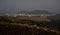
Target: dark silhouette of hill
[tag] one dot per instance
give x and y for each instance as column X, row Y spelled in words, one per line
column 36, row 12
column 40, row 12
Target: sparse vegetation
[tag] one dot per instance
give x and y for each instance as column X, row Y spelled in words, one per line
column 13, row 26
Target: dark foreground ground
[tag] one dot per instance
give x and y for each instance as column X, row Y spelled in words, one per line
column 13, row 26
column 6, row 29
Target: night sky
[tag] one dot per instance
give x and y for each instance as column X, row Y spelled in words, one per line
column 18, row 5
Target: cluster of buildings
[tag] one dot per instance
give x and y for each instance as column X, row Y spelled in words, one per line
column 27, row 14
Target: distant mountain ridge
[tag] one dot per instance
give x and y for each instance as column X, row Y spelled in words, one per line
column 41, row 12
column 37, row 12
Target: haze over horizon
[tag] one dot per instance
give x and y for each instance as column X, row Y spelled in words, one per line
column 18, row 5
